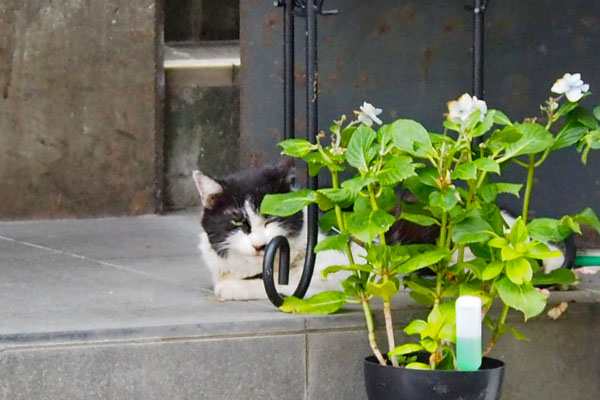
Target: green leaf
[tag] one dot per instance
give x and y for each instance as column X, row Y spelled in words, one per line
column 586, row 119
column 356, row 184
column 329, row 197
column 417, row 365
column 395, row 170
column 411, row 137
column 472, row 229
column 429, row 344
column 492, row 270
column 335, row 242
column 367, row 225
column 566, row 108
column 418, row 219
column 485, row 125
column 315, row 162
column 597, row 112
column 588, row 216
column 489, row 192
column 518, row 335
column 384, row 290
column 535, row 139
column 328, row 221
column 444, row 200
column 509, row 134
column 519, row 271
column 352, row 267
column 465, row 171
column 322, row 303
column 421, row 298
column 477, row 265
column 540, row 251
column 524, row 298
column 408, row 348
column 361, row 150
column 487, row 164
column 286, row 204
column 518, row 233
column 296, row 147
column 387, row 200
column 417, row 285
column 568, row 137
column 421, row 261
column 501, row 119
column 415, row 327
column 353, row 286
column 560, row 276
column 347, row 134
column 547, row 230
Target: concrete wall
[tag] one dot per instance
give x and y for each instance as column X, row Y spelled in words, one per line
column 78, row 108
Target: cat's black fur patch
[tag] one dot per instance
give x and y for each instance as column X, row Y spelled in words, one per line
column 252, row 186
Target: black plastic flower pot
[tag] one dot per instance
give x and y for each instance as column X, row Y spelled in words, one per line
column 398, row 383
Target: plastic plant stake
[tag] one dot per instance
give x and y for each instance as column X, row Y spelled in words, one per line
column 468, row 333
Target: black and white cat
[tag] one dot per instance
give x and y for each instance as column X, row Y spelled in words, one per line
column 235, row 234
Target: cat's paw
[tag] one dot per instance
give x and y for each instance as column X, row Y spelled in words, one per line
column 252, row 289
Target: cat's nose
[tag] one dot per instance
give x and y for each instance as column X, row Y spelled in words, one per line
column 259, row 247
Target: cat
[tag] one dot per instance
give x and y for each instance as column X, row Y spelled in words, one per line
column 234, row 234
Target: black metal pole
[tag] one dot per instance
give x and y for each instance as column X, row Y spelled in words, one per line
column 311, row 135
column 280, row 244
column 288, row 70
column 479, row 7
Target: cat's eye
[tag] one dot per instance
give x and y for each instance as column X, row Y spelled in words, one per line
column 237, row 223
column 269, row 220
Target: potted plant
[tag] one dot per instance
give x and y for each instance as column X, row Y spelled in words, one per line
column 454, row 178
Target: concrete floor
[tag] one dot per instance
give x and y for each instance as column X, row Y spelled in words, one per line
column 113, row 277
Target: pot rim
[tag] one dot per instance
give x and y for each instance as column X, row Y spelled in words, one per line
column 488, row 363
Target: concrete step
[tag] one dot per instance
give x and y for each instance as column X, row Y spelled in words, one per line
column 120, row 308
column 208, row 65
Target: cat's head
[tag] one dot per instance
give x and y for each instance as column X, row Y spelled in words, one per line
column 231, row 216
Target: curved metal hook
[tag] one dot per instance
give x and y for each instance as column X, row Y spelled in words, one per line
column 281, row 244
column 570, row 252
column 277, row 243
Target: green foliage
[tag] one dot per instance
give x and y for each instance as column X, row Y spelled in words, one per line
column 455, row 184
column 322, row 303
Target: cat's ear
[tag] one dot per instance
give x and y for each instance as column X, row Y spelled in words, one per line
column 287, row 170
column 207, row 188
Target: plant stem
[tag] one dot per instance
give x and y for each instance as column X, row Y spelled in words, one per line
column 371, row 331
column 375, row 207
column 339, row 216
column 497, row 332
column 389, row 327
column 387, row 309
column 529, row 187
column 443, row 230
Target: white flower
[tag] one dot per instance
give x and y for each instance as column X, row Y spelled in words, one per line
column 368, row 114
column 460, row 110
column 571, row 85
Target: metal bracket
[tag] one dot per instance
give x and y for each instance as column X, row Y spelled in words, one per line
column 300, row 7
